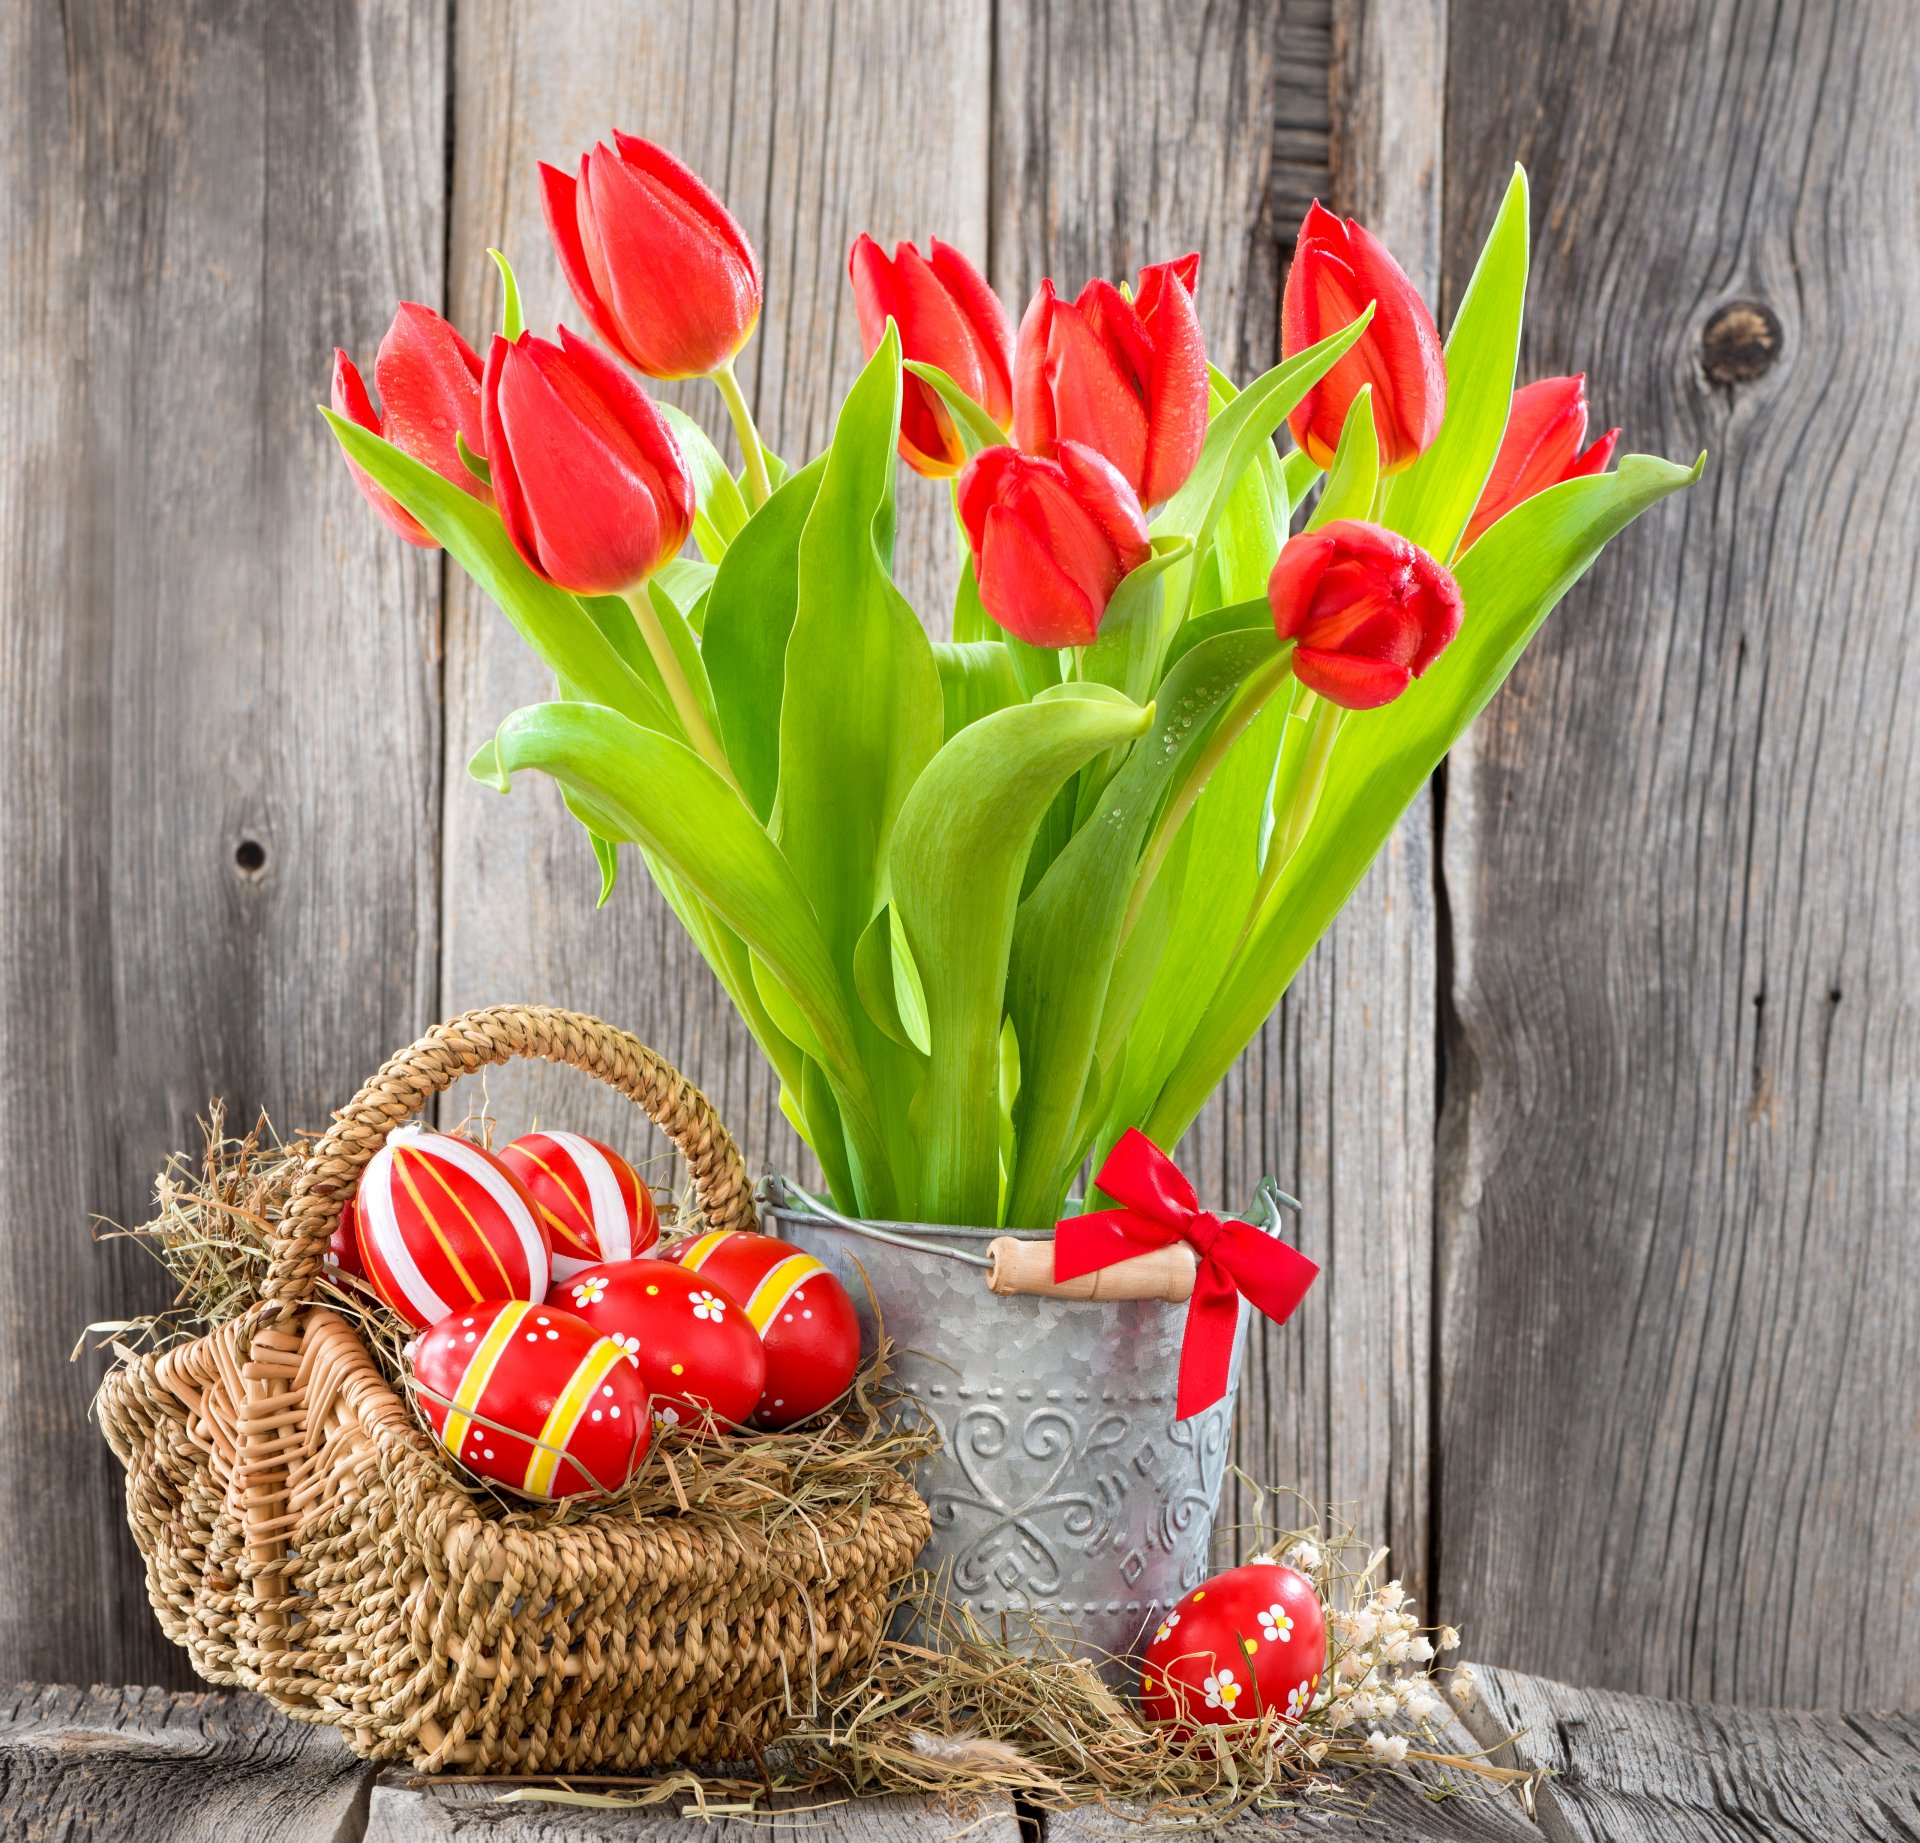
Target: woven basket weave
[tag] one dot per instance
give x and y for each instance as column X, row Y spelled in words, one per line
column 306, row 1538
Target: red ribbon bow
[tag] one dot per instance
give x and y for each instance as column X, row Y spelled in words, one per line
column 1237, row 1261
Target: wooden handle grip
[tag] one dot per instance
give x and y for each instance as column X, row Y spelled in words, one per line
column 1027, row 1267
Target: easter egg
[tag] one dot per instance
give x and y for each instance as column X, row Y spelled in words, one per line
column 697, row 1352
column 532, row 1397
column 443, row 1223
column 1249, row 1642
column 343, row 1249
column 803, row 1315
column 591, row 1201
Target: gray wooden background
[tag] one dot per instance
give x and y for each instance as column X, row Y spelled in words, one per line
column 1602, row 1091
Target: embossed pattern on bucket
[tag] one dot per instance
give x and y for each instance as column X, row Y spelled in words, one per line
column 1065, row 1489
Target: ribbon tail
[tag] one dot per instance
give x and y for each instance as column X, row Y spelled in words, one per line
column 1273, row 1275
column 1206, row 1349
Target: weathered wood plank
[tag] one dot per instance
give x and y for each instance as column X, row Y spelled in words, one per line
column 1629, row 1769
column 1682, row 1070
column 142, row 1766
column 448, row 1811
column 217, row 852
column 816, row 121
column 1126, row 135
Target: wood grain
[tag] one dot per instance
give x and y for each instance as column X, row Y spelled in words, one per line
column 142, row 1766
column 217, row 849
column 1630, row 1769
column 1106, row 157
column 784, row 110
column 1682, row 1070
column 448, row 1811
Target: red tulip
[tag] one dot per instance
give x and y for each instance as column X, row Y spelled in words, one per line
column 1338, row 268
column 429, row 380
column 1126, row 377
column 589, row 479
column 656, row 262
column 1368, row 611
column 1545, row 427
column 1051, row 540
column 947, row 316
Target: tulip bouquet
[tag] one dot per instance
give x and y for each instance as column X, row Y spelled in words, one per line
column 988, row 902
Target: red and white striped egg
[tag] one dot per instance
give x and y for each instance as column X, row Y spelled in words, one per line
column 591, row 1201
column 803, row 1315
column 533, row 1397
column 697, row 1352
column 444, row 1224
column 1249, row 1642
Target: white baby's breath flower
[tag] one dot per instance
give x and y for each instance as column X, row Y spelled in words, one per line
column 1462, row 1686
column 1304, row 1556
column 1420, row 1650
column 1449, row 1639
column 1353, row 1667
column 1389, row 1749
column 1424, row 1707
column 1397, row 1648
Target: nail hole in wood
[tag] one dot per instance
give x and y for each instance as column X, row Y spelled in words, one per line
column 251, row 856
column 1741, row 343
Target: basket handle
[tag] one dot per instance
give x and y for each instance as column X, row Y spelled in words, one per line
column 477, row 1040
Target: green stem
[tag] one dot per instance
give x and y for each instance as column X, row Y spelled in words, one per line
column 1231, row 727
column 759, row 489
column 686, row 706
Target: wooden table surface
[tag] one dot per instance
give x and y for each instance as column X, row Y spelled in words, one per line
column 146, row 1766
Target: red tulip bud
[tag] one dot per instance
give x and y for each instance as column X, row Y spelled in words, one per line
column 429, row 379
column 590, row 482
column 947, row 316
column 1368, row 611
column 1126, row 377
column 656, row 262
column 1338, row 268
column 1545, row 427
column 1051, row 540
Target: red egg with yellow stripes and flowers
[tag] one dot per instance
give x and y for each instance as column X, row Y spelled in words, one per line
column 533, row 1397
column 700, row 1358
column 444, row 1224
column 591, row 1201
column 803, row 1315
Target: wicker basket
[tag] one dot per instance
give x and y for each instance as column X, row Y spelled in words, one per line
column 306, row 1538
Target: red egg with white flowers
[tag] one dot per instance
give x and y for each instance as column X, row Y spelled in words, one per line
column 697, row 1352
column 591, row 1200
column 444, row 1224
column 532, row 1397
column 1249, row 1642
column 803, row 1315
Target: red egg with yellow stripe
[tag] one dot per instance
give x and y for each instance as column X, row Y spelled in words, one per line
column 591, row 1201
column 532, row 1397
column 803, row 1315
column 443, row 1224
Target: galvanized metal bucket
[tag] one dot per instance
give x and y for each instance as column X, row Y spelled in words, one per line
column 1065, row 1492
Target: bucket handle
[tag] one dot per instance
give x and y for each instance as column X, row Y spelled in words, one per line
column 1016, row 1267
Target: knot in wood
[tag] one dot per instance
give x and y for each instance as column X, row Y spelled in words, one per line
column 1741, row 343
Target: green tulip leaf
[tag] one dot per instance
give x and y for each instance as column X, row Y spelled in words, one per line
column 1511, row 580
column 1432, row 500
column 959, row 851
column 1133, row 632
column 1355, row 472
column 750, row 610
column 632, row 785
